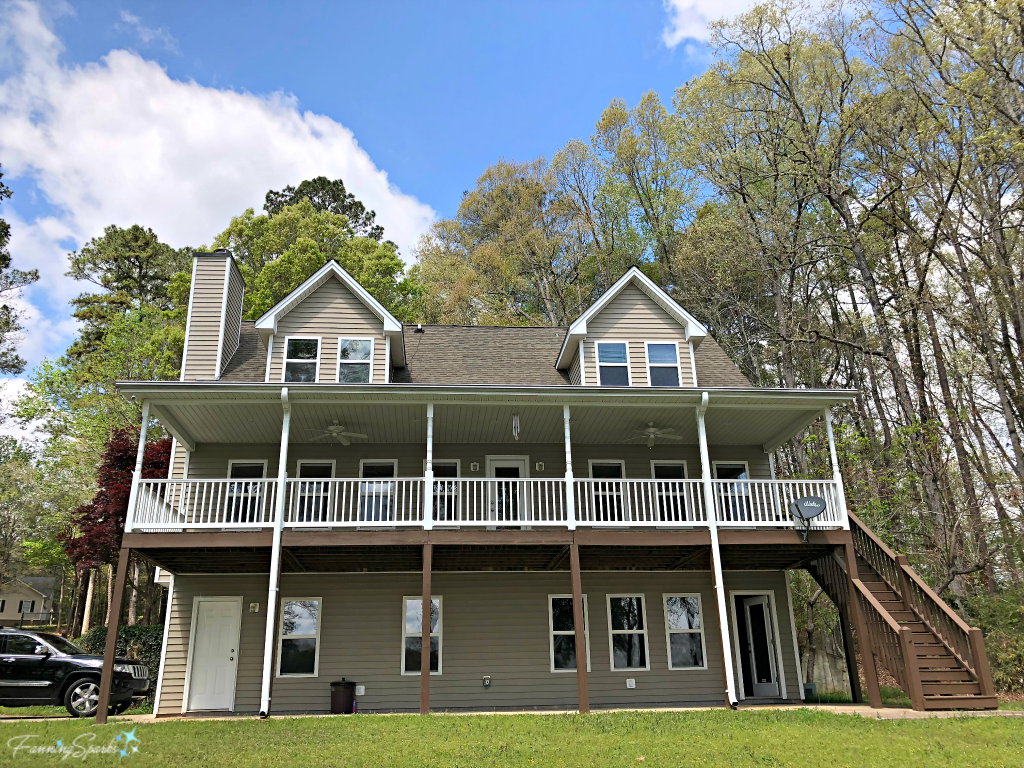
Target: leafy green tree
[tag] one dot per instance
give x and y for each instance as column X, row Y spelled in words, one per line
column 11, row 282
column 277, row 252
column 327, row 196
column 133, row 269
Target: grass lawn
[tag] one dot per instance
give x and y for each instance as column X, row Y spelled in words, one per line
column 712, row 738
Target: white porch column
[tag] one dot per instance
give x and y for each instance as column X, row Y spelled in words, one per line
column 275, row 556
column 137, row 474
column 837, row 476
column 428, row 473
column 716, row 555
column 570, row 497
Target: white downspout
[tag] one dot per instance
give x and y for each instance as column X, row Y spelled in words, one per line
column 275, row 556
column 716, row 555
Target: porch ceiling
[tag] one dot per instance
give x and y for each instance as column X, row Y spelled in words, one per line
column 218, row 413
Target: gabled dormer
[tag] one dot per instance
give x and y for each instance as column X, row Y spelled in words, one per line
column 637, row 335
column 330, row 330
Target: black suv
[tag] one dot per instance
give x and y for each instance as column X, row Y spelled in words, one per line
column 41, row 668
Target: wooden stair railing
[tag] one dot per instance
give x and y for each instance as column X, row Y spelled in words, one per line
column 927, row 630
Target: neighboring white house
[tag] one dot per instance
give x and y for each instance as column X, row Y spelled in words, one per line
column 29, row 598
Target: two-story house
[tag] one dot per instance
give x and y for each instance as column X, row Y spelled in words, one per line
column 589, row 516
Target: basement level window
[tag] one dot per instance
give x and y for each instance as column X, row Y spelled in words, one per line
column 299, row 642
column 412, row 635
column 301, row 359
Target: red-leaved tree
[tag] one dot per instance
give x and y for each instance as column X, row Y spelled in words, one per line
column 99, row 525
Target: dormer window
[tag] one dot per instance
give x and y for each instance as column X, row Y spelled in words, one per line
column 663, row 364
column 613, row 363
column 355, row 361
column 301, row 359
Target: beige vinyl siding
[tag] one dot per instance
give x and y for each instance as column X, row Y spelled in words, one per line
column 634, row 317
column 232, row 314
column 252, row 589
column 494, row 623
column 210, row 460
column 574, row 370
column 330, row 312
column 177, row 469
column 204, row 319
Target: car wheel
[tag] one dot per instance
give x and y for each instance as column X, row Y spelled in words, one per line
column 82, row 697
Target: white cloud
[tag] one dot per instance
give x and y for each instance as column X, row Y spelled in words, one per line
column 118, row 141
column 689, row 19
column 148, row 35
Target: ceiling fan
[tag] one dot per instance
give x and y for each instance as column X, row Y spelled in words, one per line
column 337, row 432
column 652, row 434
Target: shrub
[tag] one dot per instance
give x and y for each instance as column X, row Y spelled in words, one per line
column 140, row 643
column 1001, row 618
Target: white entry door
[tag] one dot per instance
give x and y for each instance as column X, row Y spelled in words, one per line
column 214, row 662
column 761, row 640
column 508, row 496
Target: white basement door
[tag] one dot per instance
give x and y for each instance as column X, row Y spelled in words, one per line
column 214, row 655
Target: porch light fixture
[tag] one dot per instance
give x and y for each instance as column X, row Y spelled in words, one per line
column 515, row 426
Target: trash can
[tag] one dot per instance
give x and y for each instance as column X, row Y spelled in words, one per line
column 343, row 694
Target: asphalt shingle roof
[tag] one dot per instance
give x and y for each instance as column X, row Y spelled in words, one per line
column 478, row 354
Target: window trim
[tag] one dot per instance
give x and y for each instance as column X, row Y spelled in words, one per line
column 592, row 462
column 392, row 462
column 281, row 635
column 232, row 462
column 611, row 632
column 300, row 462
column 338, row 361
column 439, row 634
column 669, row 632
column 714, row 468
column 628, row 365
column 285, row 358
column 551, row 636
column 670, row 462
column 647, row 361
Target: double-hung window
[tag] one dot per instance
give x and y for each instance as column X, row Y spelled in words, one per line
column 301, row 359
column 298, row 652
column 662, row 364
column 27, row 606
column 355, row 361
column 627, row 632
column 685, row 632
column 562, row 623
column 412, row 635
column 613, row 363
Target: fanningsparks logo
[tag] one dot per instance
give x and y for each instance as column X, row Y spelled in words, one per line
column 125, row 744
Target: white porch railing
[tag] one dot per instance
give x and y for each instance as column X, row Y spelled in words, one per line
column 354, row 503
column 629, row 503
column 767, row 503
column 499, row 502
column 174, row 505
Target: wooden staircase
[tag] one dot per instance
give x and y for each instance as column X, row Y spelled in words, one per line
column 937, row 659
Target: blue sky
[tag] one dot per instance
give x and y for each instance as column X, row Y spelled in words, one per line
column 179, row 115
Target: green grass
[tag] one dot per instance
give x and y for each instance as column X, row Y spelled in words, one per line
column 710, row 738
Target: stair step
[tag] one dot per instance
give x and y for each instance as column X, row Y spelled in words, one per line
column 946, row 675
column 951, row 688
column 902, row 615
column 937, row 662
column 961, row 702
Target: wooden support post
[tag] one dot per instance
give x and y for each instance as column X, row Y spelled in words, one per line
column 867, row 657
column 579, row 627
column 107, row 676
column 428, row 556
column 981, row 662
column 913, row 674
